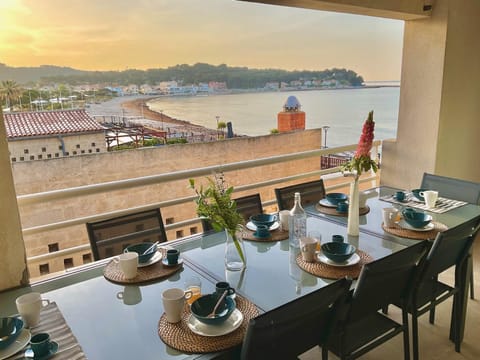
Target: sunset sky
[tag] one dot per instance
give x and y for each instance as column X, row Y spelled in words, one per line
column 142, row 34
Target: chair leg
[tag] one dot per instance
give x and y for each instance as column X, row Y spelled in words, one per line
column 406, row 336
column 324, row 353
column 472, row 293
column 415, row 336
column 431, row 317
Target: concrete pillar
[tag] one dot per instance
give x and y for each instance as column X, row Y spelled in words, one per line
column 438, row 125
column 13, row 268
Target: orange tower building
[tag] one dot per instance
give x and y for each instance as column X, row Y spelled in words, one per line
column 291, row 118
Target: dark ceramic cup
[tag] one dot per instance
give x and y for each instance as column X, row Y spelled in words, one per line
column 400, row 195
column 221, row 286
column 40, row 344
column 172, row 256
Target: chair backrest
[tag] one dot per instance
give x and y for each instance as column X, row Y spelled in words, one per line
column 295, row 327
column 450, row 248
column 246, row 205
column 452, row 188
column 385, row 281
column 310, row 193
column 249, row 205
column 110, row 237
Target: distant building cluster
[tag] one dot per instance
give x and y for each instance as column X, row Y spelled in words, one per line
column 175, row 88
column 171, row 88
column 303, row 84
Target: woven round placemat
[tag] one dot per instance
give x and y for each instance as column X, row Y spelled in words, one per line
column 334, row 272
column 416, row 235
column 276, row 235
column 333, row 211
column 145, row 274
column 180, row 337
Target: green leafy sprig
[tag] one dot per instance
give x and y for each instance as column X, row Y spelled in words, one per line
column 359, row 165
column 214, row 203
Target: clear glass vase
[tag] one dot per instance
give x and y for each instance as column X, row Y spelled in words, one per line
column 235, row 255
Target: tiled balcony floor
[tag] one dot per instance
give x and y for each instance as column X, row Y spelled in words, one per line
column 434, row 343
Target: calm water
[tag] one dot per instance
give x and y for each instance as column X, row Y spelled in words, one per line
column 256, row 113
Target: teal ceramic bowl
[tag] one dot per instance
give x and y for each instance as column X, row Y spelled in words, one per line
column 338, row 251
column 263, row 219
column 335, row 198
column 416, row 193
column 416, row 219
column 10, row 328
column 205, row 304
column 140, row 249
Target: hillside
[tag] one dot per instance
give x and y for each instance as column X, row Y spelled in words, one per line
column 235, row 77
column 25, row 75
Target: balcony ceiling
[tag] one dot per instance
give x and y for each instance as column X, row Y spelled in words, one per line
column 392, row 9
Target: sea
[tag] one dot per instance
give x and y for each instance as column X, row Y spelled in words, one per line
column 342, row 110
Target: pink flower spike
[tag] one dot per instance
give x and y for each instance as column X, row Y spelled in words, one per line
column 366, row 139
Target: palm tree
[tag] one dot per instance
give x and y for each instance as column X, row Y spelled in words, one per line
column 9, row 90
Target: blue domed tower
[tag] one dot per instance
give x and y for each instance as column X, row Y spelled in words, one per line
column 291, row 118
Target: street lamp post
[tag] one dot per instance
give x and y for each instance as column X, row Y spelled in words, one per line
column 325, row 129
column 218, row 118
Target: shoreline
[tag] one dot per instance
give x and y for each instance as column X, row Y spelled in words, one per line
column 140, row 108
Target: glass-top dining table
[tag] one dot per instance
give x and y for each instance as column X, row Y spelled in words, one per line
column 109, row 327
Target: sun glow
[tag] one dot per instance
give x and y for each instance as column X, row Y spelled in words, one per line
column 93, row 35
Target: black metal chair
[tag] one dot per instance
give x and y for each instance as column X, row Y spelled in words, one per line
column 110, row 237
column 295, row 327
column 361, row 326
column 452, row 188
column 246, row 205
column 457, row 189
column 450, row 248
column 311, row 192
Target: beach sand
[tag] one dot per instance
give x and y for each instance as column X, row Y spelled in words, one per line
column 134, row 109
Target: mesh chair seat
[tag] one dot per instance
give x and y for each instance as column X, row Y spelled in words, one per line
column 310, row 192
column 295, row 327
column 246, row 206
column 450, row 249
column 454, row 189
column 361, row 327
column 110, row 237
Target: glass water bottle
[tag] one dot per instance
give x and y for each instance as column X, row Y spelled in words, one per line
column 297, row 223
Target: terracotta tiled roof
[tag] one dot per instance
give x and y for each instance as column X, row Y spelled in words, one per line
column 41, row 123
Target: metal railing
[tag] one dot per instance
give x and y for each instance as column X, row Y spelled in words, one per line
column 85, row 190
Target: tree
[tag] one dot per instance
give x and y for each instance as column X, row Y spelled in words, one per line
column 222, row 126
column 9, row 90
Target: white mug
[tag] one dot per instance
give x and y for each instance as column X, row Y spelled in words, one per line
column 389, row 216
column 174, row 302
column 128, row 264
column 308, row 246
column 29, row 306
column 283, row 216
column 430, row 197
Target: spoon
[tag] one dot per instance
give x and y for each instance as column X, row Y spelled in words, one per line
column 150, row 248
column 212, row 314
